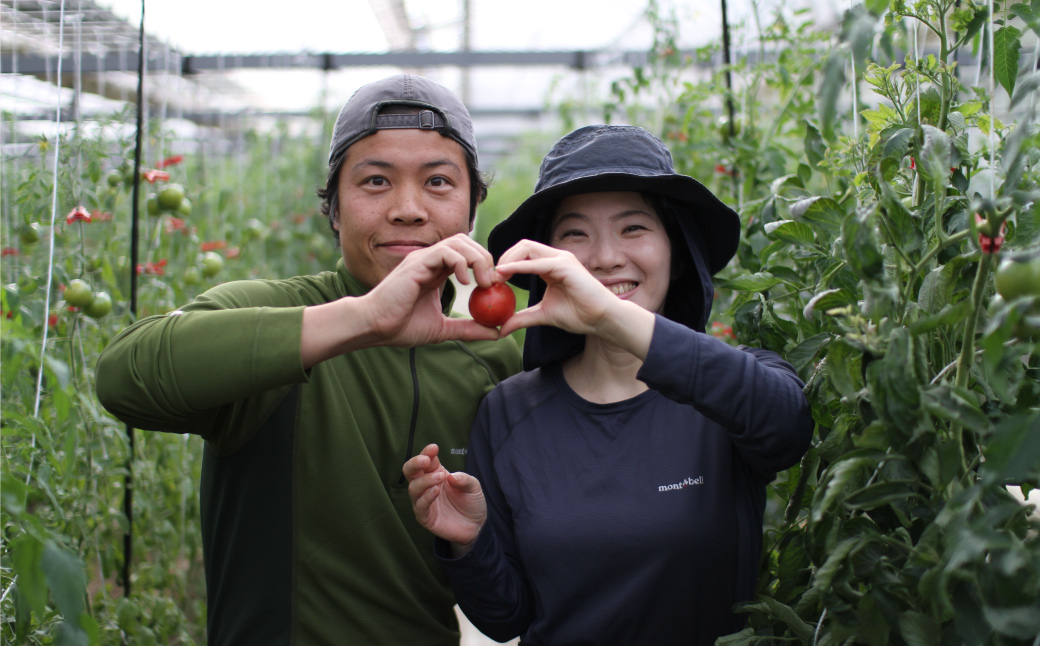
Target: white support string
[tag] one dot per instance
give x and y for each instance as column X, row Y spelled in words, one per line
column 54, row 217
column 992, row 111
column 855, row 94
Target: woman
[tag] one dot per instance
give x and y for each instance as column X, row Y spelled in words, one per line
column 615, row 490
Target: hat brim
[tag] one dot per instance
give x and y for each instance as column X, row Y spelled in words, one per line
column 719, row 224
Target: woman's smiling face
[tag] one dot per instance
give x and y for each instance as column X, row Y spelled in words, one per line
column 621, row 240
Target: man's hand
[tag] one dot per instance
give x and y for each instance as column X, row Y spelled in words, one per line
column 404, row 309
column 450, row 505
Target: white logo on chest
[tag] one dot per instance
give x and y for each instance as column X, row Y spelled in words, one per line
column 699, row 480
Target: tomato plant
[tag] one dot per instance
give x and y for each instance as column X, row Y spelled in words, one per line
column 871, row 277
column 492, row 306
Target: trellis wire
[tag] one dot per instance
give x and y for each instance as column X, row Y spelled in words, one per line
column 54, row 217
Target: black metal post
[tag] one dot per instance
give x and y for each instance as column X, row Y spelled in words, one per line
column 128, row 480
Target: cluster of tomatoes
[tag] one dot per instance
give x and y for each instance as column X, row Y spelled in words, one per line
column 79, row 294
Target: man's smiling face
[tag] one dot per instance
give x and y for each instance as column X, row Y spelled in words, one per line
column 399, row 190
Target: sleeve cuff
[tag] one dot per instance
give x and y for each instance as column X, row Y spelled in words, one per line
column 470, row 566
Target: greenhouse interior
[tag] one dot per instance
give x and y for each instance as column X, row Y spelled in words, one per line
column 882, row 159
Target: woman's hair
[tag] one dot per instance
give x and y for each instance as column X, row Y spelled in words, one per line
column 329, row 194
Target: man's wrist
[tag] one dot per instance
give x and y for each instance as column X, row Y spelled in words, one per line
column 336, row 328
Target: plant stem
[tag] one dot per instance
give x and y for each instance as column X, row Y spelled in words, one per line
column 978, row 289
column 955, row 238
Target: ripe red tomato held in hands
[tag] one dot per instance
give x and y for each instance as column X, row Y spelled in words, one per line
column 492, row 306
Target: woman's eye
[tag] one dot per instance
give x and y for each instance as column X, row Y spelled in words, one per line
column 377, row 180
column 571, row 233
column 438, row 181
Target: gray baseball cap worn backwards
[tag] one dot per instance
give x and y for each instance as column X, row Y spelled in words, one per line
column 435, row 107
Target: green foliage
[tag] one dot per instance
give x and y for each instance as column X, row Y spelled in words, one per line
column 862, row 263
column 63, row 458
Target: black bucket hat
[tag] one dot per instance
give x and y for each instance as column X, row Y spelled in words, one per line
column 617, row 158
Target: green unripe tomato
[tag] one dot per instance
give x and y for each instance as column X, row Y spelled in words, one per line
column 171, row 196
column 192, row 276
column 1016, row 278
column 212, row 263
column 99, row 306
column 723, row 128
column 78, row 293
column 29, row 233
column 185, row 208
column 114, row 178
column 153, row 204
column 254, row 229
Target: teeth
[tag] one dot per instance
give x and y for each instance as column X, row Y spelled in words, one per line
column 621, row 288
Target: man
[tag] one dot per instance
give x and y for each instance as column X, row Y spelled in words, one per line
column 311, row 392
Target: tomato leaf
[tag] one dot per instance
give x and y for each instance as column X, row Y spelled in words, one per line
column 815, row 148
column 1007, row 41
column 880, row 493
column 67, row 579
column 802, row 354
column 790, row 232
column 831, row 86
column 757, row 282
column 27, row 554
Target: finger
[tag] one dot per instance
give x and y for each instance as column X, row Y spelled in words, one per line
column 416, row 466
column 463, row 482
column 421, row 484
column 443, row 260
column 432, row 451
column 421, row 504
column 528, row 317
column 542, row 266
column 477, row 257
column 526, row 249
column 468, row 330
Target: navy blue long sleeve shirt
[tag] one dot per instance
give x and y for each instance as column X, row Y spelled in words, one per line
column 634, row 522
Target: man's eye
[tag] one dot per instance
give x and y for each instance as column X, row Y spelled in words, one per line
column 439, row 181
column 377, row 181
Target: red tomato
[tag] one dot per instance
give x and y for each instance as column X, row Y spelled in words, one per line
column 492, row 306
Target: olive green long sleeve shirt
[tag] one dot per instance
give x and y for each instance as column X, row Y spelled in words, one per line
column 308, row 531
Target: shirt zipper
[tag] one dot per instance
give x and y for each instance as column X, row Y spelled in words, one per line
column 410, row 447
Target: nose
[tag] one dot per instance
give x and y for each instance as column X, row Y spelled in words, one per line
column 408, row 206
column 605, row 255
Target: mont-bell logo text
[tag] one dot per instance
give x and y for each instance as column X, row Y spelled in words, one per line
column 689, row 481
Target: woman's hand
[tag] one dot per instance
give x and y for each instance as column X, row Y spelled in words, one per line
column 450, row 505
column 574, row 299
